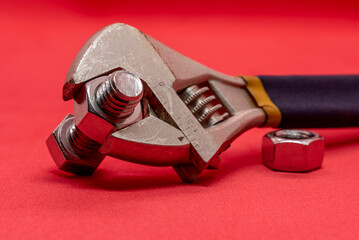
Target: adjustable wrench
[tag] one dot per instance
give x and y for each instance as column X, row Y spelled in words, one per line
column 191, row 113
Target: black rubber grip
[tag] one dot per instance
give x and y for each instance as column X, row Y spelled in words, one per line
column 315, row 101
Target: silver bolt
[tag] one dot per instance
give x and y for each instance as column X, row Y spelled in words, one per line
column 119, row 95
column 80, row 143
column 76, row 152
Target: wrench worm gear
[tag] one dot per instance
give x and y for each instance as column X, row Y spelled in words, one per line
column 204, row 105
column 138, row 100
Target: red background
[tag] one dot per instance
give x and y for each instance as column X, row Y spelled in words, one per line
column 243, row 199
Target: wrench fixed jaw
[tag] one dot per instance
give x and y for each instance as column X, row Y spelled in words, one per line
column 120, row 46
column 186, row 145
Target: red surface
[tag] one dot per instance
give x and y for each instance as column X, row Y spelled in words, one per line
column 241, row 200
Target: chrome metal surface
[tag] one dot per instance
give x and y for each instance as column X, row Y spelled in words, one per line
column 199, row 133
column 164, row 71
column 293, row 134
column 150, row 141
column 80, row 143
column 293, row 150
column 71, row 150
column 99, row 112
column 76, row 142
column 120, row 94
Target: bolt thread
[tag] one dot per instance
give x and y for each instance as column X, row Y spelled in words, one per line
column 80, row 143
column 120, row 94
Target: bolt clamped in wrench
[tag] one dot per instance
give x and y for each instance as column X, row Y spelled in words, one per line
column 164, row 109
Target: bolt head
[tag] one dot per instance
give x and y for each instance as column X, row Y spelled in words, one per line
column 293, row 150
column 65, row 158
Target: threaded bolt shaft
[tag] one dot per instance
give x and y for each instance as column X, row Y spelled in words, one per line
column 80, row 143
column 117, row 97
column 120, row 94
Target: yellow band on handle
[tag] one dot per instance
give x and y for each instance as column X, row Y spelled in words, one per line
column 256, row 89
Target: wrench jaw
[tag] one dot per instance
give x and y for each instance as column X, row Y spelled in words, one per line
column 79, row 72
column 120, row 46
column 149, row 141
column 189, row 172
column 153, row 142
column 157, row 140
column 173, row 136
column 117, row 46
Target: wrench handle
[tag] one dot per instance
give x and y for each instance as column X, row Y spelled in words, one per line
column 310, row 101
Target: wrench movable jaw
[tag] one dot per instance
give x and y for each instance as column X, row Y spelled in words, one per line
column 150, row 141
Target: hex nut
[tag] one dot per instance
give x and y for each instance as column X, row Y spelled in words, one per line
column 293, row 150
column 90, row 118
column 64, row 155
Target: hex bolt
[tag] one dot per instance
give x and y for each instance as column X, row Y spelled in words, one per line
column 117, row 97
column 72, row 149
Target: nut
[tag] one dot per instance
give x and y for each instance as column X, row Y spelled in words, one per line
column 66, row 143
column 92, row 120
column 102, row 106
column 293, row 150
